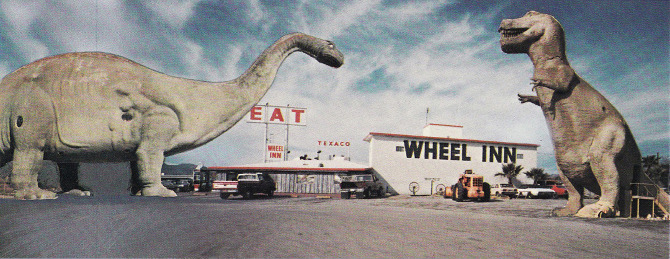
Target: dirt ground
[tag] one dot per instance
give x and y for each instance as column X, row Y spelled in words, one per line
column 399, row 226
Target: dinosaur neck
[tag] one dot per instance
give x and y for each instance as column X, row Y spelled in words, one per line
column 550, row 47
column 228, row 102
column 259, row 76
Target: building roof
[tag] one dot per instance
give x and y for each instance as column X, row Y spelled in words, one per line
column 373, row 134
column 336, row 165
column 444, row 125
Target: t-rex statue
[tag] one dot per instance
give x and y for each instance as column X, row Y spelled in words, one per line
column 99, row 107
column 593, row 144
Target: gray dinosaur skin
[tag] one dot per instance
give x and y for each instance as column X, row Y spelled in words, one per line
column 99, row 107
column 594, row 147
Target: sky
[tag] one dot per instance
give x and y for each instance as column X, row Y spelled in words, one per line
column 402, row 58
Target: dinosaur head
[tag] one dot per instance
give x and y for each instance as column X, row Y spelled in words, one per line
column 327, row 53
column 520, row 34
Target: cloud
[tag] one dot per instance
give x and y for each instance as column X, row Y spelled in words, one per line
column 375, row 91
column 400, row 58
column 21, row 16
column 173, row 12
column 647, row 113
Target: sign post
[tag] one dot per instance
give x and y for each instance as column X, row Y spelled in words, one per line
column 282, row 115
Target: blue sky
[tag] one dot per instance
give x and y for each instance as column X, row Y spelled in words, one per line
column 401, row 57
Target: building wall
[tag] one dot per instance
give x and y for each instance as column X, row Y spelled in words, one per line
column 306, row 183
column 401, row 160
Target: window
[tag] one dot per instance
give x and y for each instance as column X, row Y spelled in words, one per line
column 519, row 156
column 399, row 149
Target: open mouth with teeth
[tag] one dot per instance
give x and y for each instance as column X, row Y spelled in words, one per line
column 512, row 32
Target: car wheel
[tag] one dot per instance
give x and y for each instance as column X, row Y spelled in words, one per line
column 360, row 195
column 246, row 195
column 460, row 192
column 345, row 195
column 271, row 193
column 487, row 192
column 225, row 195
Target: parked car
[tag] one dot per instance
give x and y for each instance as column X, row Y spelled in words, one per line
column 535, row 191
column 225, row 183
column 249, row 184
column 561, row 191
column 361, row 186
column 178, row 184
column 557, row 186
column 504, row 189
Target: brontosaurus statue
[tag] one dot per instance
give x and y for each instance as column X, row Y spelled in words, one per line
column 593, row 144
column 99, row 107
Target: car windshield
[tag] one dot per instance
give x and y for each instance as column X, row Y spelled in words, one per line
column 246, row 177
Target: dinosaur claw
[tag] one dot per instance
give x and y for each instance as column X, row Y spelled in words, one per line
column 597, row 210
column 34, row 194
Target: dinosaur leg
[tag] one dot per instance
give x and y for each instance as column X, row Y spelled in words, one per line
column 149, row 164
column 158, row 128
column 31, row 126
column 27, row 165
column 69, row 179
column 575, row 199
column 602, row 153
column 608, row 179
column 135, row 184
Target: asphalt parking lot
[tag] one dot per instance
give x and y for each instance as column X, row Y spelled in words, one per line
column 399, row 226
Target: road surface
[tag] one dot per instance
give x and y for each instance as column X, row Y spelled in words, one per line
column 401, row 226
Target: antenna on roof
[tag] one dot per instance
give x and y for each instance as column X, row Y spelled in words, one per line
column 427, row 111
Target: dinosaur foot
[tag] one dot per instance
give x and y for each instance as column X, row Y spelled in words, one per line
column 78, row 192
column 599, row 209
column 158, row 190
column 563, row 212
column 34, row 194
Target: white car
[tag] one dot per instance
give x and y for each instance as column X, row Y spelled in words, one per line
column 504, row 189
column 535, row 191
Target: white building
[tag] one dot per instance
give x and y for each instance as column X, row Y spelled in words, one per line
column 437, row 158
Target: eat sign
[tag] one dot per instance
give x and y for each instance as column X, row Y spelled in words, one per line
column 277, row 115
